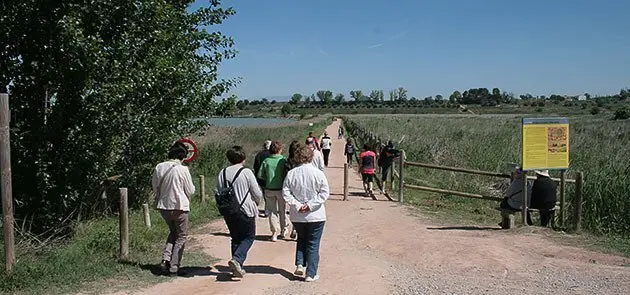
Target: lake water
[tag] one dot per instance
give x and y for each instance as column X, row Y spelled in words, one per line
column 248, row 121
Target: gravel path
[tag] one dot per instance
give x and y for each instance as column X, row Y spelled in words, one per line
column 380, row 247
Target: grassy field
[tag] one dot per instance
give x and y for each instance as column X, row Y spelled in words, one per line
column 599, row 148
column 89, row 259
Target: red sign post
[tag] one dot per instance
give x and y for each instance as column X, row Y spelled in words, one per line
column 192, row 149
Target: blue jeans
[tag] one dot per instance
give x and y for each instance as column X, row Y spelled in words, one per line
column 309, row 234
column 243, row 232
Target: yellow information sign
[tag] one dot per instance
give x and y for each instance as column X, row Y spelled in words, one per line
column 545, row 143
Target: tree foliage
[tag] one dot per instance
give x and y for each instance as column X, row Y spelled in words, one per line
column 325, row 96
column 296, row 98
column 101, row 88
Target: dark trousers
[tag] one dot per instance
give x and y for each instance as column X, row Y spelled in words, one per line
column 385, row 171
column 545, row 217
column 243, row 232
column 326, row 153
column 177, row 222
column 349, row 159
column 309, row 234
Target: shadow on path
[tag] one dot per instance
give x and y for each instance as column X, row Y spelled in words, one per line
column 472, row 227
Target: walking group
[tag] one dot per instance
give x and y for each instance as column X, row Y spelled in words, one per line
column 370, row 157
column 290, row 192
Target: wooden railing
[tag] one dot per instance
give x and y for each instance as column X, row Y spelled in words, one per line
column 361, row 135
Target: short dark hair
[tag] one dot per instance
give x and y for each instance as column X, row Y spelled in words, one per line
column 178, row 151
column 236, row 155
column 275, row 147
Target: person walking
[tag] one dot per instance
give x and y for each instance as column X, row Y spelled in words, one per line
column 318, row 158
column 385, row 160
column 326, row 144
column 312, row 138
column 237, row 196
column 348, row 151
column 272, row 172
column 367, row 166
column 173, row 188
column 260, row 157
column 340, row 132
column 306, row 190
column 544, row 197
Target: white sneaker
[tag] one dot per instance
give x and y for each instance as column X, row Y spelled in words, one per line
column 237, row 270
column 274, row 237
column 313, row 279
column 299, row 270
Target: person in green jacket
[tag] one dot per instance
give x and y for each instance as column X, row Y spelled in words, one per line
column 272, row 172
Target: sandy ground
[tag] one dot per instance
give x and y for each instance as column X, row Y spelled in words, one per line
column 380, row 247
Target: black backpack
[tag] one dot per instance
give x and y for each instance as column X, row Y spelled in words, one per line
column 226, row 200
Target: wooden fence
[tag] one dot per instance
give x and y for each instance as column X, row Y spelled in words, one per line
column 361, row 136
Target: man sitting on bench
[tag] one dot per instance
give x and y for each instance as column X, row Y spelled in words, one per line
column 543, row 198
column 514, row 199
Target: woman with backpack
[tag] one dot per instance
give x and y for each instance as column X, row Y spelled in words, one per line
column 349, row 152
column 237, row 196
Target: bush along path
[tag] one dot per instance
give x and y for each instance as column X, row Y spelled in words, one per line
column 380, row 247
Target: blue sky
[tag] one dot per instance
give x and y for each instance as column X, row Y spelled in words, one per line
column 429, row 47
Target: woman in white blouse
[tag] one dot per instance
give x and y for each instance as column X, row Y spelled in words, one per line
column 305, row 190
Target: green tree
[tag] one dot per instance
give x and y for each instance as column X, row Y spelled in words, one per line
column 393, row 95
column 124, row 79
column 286, row 109
column 455, row 97
column 296, row 98
column 339, row 99
column 439, row 97
column 357, row 95
column 376, row 95
column 401, row 94
column 587, row 96
column 325, row 96
column 227, row 106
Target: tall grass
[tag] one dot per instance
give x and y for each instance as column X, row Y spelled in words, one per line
column 90, row 255
column 599, row 147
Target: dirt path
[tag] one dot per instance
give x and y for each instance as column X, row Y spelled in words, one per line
column 380, row 247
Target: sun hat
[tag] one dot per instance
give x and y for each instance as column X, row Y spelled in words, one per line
column 543, row 173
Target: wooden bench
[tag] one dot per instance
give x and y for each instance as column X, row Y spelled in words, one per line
column 507, row 216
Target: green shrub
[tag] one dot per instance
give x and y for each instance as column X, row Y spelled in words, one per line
column 622, row 114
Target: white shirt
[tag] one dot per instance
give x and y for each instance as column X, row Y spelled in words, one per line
column 318, row 160
column 308, row 185
column 326, row 142
column 245, row 186
column 176, row 186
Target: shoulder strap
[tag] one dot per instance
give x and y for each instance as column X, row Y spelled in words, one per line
column 236, row 175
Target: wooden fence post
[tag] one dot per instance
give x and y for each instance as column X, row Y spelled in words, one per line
column 579, row 199
column 147, row 215
column 401, row 179
column 202, row 188
column 7, row 188
column 345, row 181
column 124, row 225
column 525, row 206
column 562, row 197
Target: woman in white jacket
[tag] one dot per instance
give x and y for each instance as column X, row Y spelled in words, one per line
column 305, row 191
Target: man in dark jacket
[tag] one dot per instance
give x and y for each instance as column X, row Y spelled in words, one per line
column 543, row 197
column 385, row 161
column 260, row 157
